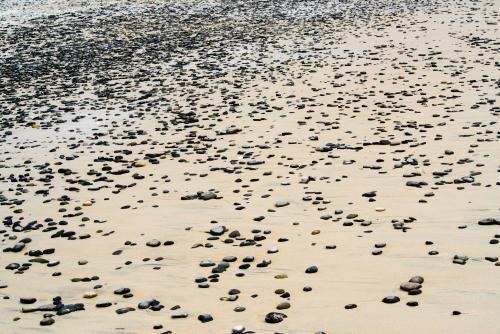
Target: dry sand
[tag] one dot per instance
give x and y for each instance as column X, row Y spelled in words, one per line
column 255, row 104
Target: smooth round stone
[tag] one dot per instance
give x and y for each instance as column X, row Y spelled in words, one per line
column 272, row 250
column 408, row 286
column 230, row 298
column 280, row 204
column 205, row 318
column 307, row 289
column 153, row 243
column 239, row 309
column 124, row 310
column 234, row 234
column 217, row 231
column 350, row 306
column 27, row 300
column 102, row 305
column 417, row 279
column 281, row 276
column 380, row 245
column 47, row 321
column 179, row 315
column 18, row 247
column 121, row 291
column 456, row 313
column 274, row 317
column 391, row 299
column 223, row 265
column 283, row 306
column 90, row 294
column 144, row 305
column 312, row 270
column 238, row 329
column 53, row 263
column 412, row 303
column 207, row 263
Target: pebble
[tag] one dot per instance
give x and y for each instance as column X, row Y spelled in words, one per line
column 283, row 306
column 47, row 321
column 390, row 299
column 275, row 317
column 205, row 318
column 311, row 270
column 153, row 243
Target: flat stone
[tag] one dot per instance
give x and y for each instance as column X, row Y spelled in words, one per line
column 390, row 299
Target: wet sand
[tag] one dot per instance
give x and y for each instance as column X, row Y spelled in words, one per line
column 249, row 167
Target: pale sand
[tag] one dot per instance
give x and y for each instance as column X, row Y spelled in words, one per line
column 347, row 274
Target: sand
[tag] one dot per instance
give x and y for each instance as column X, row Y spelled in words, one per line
column 324, row 102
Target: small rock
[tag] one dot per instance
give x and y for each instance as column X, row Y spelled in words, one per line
column 274, row 317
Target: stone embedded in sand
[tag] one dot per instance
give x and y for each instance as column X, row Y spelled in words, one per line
column 283, row 306
column 489, row 221
column 153, row 243
column 275, row 317
column 178, row 315
column 273, row 250
column 280, row 204
column 239, row 329
column 47, row 321
column 207, row 195
column 217, row 231
column 89, row 295
column 205, row 318
column 311, row 270
column 281, row 276
column 103, row 304
column 370, row 194
column 390, row 299
column 207, row 263
column 121, row 291
column 124, row 310
column 27, row 300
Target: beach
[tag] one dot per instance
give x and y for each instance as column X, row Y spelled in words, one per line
column 249, row 167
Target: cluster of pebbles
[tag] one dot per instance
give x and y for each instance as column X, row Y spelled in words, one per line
column 249, row 166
